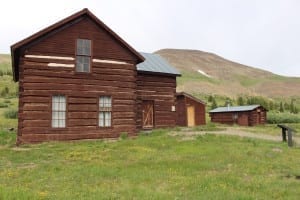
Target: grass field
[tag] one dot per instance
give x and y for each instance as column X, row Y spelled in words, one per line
column 154, row 166
column 160, row 165
column 269, row 129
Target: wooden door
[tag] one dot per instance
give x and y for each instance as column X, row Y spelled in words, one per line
column 191, row 116
column 147, row 109
column 259, row 117
column 243, row 120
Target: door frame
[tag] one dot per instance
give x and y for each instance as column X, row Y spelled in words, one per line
column 153, row 114
column 187, row 115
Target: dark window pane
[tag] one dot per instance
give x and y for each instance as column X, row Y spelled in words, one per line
column 83, row 47
column 82, row 64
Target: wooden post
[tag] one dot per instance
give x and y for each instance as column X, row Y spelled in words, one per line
column 283, row 134
column 290, row 139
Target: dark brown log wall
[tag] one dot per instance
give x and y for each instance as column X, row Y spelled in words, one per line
column 249, row 118
column 64, row 42
column 228, row 118
column 162, row 90
column 258, row 116
column 39, row 82
column 181, row 112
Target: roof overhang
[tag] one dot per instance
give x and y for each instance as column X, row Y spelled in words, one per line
column 158, row 73
column 233, row 110
column 190, row 96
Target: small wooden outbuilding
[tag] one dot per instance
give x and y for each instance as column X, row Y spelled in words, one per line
column 242, row 115
column 156, row 93
column 190, row 110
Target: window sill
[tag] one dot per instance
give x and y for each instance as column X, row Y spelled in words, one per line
column 82, row 73
column 58, row 128
column 105, row 127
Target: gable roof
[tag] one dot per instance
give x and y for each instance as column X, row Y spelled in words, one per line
column 17, row 48
column 190, row 96
column 234, row 109
column 154, row 63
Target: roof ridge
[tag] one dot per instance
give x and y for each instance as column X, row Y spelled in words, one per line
column 16, row 48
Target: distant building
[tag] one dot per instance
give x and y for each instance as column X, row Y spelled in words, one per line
column 242, row 115
column 190, row 110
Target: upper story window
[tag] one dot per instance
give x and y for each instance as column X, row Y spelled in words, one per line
column 83, row 55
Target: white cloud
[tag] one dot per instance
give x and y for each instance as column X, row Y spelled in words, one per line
column 260, row 33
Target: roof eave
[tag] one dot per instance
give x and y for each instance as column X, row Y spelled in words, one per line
column 190, row 96
column 15, row 47
column 158, row 73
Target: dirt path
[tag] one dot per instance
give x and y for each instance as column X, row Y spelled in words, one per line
column 241, row 133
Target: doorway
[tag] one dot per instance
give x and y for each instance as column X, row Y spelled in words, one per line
column 191, row 116
column 147, row 114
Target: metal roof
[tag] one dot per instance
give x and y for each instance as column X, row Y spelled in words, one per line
column 234, row 108
column 190, row 96
column 155, row 63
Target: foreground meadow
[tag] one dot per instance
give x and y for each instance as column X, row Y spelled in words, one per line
column 157, row 165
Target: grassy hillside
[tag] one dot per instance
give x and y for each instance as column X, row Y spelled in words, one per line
column 6, row 72
column 5, row 64
column 160, row 165
column 8, row 93
column 156, row 166
column 208, row 73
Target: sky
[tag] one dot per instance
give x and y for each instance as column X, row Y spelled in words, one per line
column 261, row 33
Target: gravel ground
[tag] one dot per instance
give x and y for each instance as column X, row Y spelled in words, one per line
column 236, row 132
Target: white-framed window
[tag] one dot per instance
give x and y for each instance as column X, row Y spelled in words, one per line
column 58, row 111
column 105, row 105
column 83, row 55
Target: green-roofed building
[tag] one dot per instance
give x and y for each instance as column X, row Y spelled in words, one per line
column 154, row 63
column 249, row 115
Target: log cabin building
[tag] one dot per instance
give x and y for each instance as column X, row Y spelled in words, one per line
column 190, row 110
column 156, row 93
column 242, row 115
column 79, row 80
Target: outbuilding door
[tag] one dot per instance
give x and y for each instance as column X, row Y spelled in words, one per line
column 259, row 117
column 243, row 120
column 147, row 109
column 191, row 116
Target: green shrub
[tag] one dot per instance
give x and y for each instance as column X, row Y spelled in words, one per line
column 11, row 114
column 3, row 105
column 124, row 135
column 275, row 118
column 7, row 101
column 5, row 91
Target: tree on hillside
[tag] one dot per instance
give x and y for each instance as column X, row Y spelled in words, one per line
column 210, row 98
column 296, row 110
column 271, row 105
column 228, row 101
column 276, row 106
column 293, row 107
column 214, row 104
column 286, row 106
column 240, row 101
column 281, row 107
